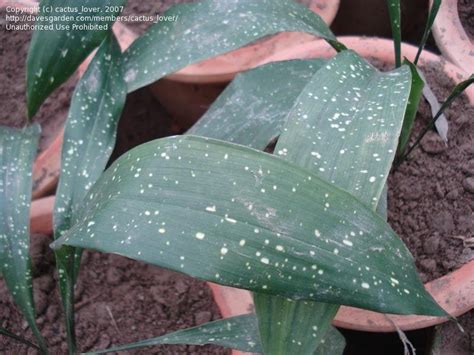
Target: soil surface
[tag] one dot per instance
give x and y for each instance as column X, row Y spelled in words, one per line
column 52, row 113
column 431, row 196
column 466, row 15
column 118, row 301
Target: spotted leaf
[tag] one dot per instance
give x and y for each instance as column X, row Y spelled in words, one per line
column 238, row 332
column 347, row 119
column 235, row 216
column 17, row 152
column 207, row 28
column 54, row 54
column 253, row 109
column 89, row 138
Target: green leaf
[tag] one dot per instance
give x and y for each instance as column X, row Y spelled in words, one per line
column 346, row 125
column 18, row 338
column 347, row 104
column 287, row 326
column 89, row 138
column 416, row 92
column 253, row 108
column 208, row 28
column 55, row 54
column 435, row 5
column 458, row 90
column 333, row 343
column 244, row 230
column 395, row 23
column 252, row 111
column 237, row 332
column 17, row 153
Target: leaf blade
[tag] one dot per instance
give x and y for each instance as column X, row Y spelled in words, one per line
column 258, row 116
column 48, row 66
column 17, row 152
column 218, row 27
column 315, row 138
column 168, row 200
column 395, row 23
column 238, row 332
column 89, row 138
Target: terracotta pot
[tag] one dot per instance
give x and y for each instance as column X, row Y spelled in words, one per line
column 451, row 37
column 189, row 92
column 455, row 291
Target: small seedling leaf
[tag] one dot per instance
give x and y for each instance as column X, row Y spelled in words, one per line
column 17, row 152
column 54, row 54
column 235, row 216
column 457, row 91
column 89, row 138
column 217, row 27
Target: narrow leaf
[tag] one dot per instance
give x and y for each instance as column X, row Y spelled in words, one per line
column 17, row 152
column 323, row 244
column 435, row 5
column 330, row 131
column 416, row 92
column 89, row 138
column 253, row 108
column 239, row 333
column 18, row 338
column 208, row 28
column 395, row 23
column 458, row 90
column 54, row 54
column 286, row 326
column 441, row 123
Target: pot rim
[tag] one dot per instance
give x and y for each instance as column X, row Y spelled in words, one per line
column 451, row 37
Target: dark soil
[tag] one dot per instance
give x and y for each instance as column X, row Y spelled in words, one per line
column 118, row 301
column 143, row 119
column 466, row 15
column 53, row 112
column 431, row 196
